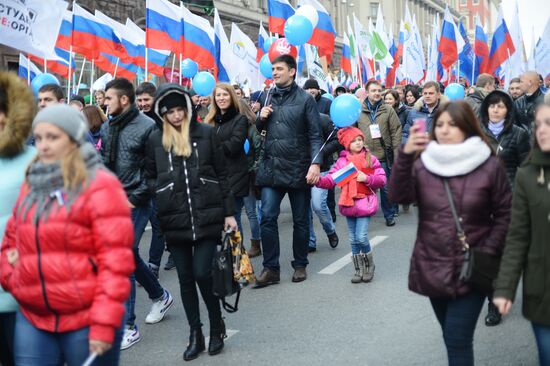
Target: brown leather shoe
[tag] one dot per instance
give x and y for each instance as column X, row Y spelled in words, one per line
column 255, row 248
column 267, row 277
column 299, row 274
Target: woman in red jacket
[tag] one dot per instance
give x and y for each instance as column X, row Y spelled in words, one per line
column 67, row 250
column 456, row 151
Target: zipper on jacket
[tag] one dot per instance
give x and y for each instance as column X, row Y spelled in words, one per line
column 41, row 275
column 204, row 180
column 170, row 161
column 196, row 154
column 189, row 200
column 169, row 186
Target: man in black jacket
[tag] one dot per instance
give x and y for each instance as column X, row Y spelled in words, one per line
column 290, row 163
column 123, row 151
column 323, row 104
column 527, row 103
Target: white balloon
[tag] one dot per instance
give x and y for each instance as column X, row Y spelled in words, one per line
column 310, row 13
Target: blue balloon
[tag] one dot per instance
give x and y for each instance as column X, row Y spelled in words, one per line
column 298, row 30
column 328, row 96
column 189, row 68
column 204, row 83
column 266, row 67
column 345, row 110
column 246, row 146
column 267, row 43
column 41, row 80
column 454, row 91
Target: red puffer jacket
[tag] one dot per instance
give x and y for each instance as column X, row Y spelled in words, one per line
column 73, row 269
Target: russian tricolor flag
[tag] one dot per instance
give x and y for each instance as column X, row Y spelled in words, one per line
column 324, row 34
column 262, row 39
column 345, row 62
column 278, row 12
column 198, row 43
column 156, row 59
column 502, row 46
column 344, row 175
column 24, row 69
column 92, row 35
column 451, row 42
column 110, row 64
column 64, row 38
column 481, row 49
column 164, row 29
column 223, row 51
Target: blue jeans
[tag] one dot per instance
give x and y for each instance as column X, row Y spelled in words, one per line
column 389, row 209
column 320, row 207
column 458, row 319
column 157, row 238
column 249, row 203
column 35, row 347
column 142, row 273
column 542, row 335
column 271, row 208
column 358, row 233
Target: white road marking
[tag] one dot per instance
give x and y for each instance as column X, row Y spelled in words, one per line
column 230, row 333
column 345, row 260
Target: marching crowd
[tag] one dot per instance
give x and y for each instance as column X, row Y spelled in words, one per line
column 80, row 184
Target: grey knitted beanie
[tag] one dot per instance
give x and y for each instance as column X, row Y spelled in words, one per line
column 66, row 118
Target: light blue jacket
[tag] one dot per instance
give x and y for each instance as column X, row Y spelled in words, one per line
column 13, row 174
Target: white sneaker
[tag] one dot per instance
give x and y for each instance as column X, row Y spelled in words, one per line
column 159, row 308
column 130, row 337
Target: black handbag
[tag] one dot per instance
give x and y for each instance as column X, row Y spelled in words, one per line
column 224, row 284
column 479, row 270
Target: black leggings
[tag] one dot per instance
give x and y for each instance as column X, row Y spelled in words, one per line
column 194, row 265
column 7, row 328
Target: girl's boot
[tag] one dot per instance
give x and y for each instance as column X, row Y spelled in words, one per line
column 359, row 268
column 195, row 346
column 368, row 273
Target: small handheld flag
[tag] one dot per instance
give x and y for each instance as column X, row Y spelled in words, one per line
column 344, row 175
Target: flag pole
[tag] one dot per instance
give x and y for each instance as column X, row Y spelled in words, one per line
column 172, row 73
column 180, row 69
column 458, row 71
column 116, row 66
column 81, row 73
column 45, row 65
column 28, row 70
column 92, row 82
column 69, row 76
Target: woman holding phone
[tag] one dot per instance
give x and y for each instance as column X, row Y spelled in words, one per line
column 455, row 152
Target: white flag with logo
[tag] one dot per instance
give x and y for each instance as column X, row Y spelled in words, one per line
column 244, row 59
column 314, row 67
column 31, row 26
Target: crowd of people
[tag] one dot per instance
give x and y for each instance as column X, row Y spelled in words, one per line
column 81, row 183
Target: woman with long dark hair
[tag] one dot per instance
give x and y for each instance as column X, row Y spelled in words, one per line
column 186, row 169
column 526, row 251
column 455, row 153
column 391, row 97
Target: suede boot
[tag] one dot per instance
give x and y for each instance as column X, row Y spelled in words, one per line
column 368, row 261
column 196, row 345
column 359, row 268
column 217, row 334
column 255, row 248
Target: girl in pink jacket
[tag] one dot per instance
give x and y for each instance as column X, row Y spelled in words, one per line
column 358, row 200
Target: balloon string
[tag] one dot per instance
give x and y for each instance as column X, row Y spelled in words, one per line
column 324, row 144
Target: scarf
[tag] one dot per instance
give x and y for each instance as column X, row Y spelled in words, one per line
column 349, row 190
column 496, row 128
column 115, row 126
column 45, row 183
column 451, row 160
column 227, row 116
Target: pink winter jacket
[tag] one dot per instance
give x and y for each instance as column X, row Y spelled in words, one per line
column 366, row 206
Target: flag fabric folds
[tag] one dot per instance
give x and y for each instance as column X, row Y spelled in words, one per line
column 345, row 62
column 156, row 59
column 466, row 57
column 223, row 54
column 451, row 42
column 198, row 40
column 481, row 50
column 324, row 34
column 164, row 30
column 262, row 38
column 278, row 12
column 502, row 46
column 24, row 68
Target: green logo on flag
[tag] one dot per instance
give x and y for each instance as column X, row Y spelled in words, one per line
column 378, row 48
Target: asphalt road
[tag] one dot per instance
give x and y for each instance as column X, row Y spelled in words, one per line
column 326, row 320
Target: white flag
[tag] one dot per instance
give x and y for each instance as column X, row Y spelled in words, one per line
column 413, row 53
column 247, row 70
column 31, row 26
column 314, row 67
column 517, row 59
column 542, row 52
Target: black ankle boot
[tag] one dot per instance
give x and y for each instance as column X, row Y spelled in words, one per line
column 217, row 335
column 196, row 345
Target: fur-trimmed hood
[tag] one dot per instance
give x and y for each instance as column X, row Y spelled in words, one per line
column 21, row 108
column 419, row 104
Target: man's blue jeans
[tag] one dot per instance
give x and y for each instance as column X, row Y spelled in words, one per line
column 142, row 273
column 358, row 233
column 542, row 335
column 320, row 207
column 35, row 347
column 458, row 319
column 389, row 209
column 271, row 208
column 157, row 238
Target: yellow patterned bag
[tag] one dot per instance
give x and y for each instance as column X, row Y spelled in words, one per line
column 243, row 273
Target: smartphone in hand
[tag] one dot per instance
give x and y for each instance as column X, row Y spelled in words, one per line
column 421, row 122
